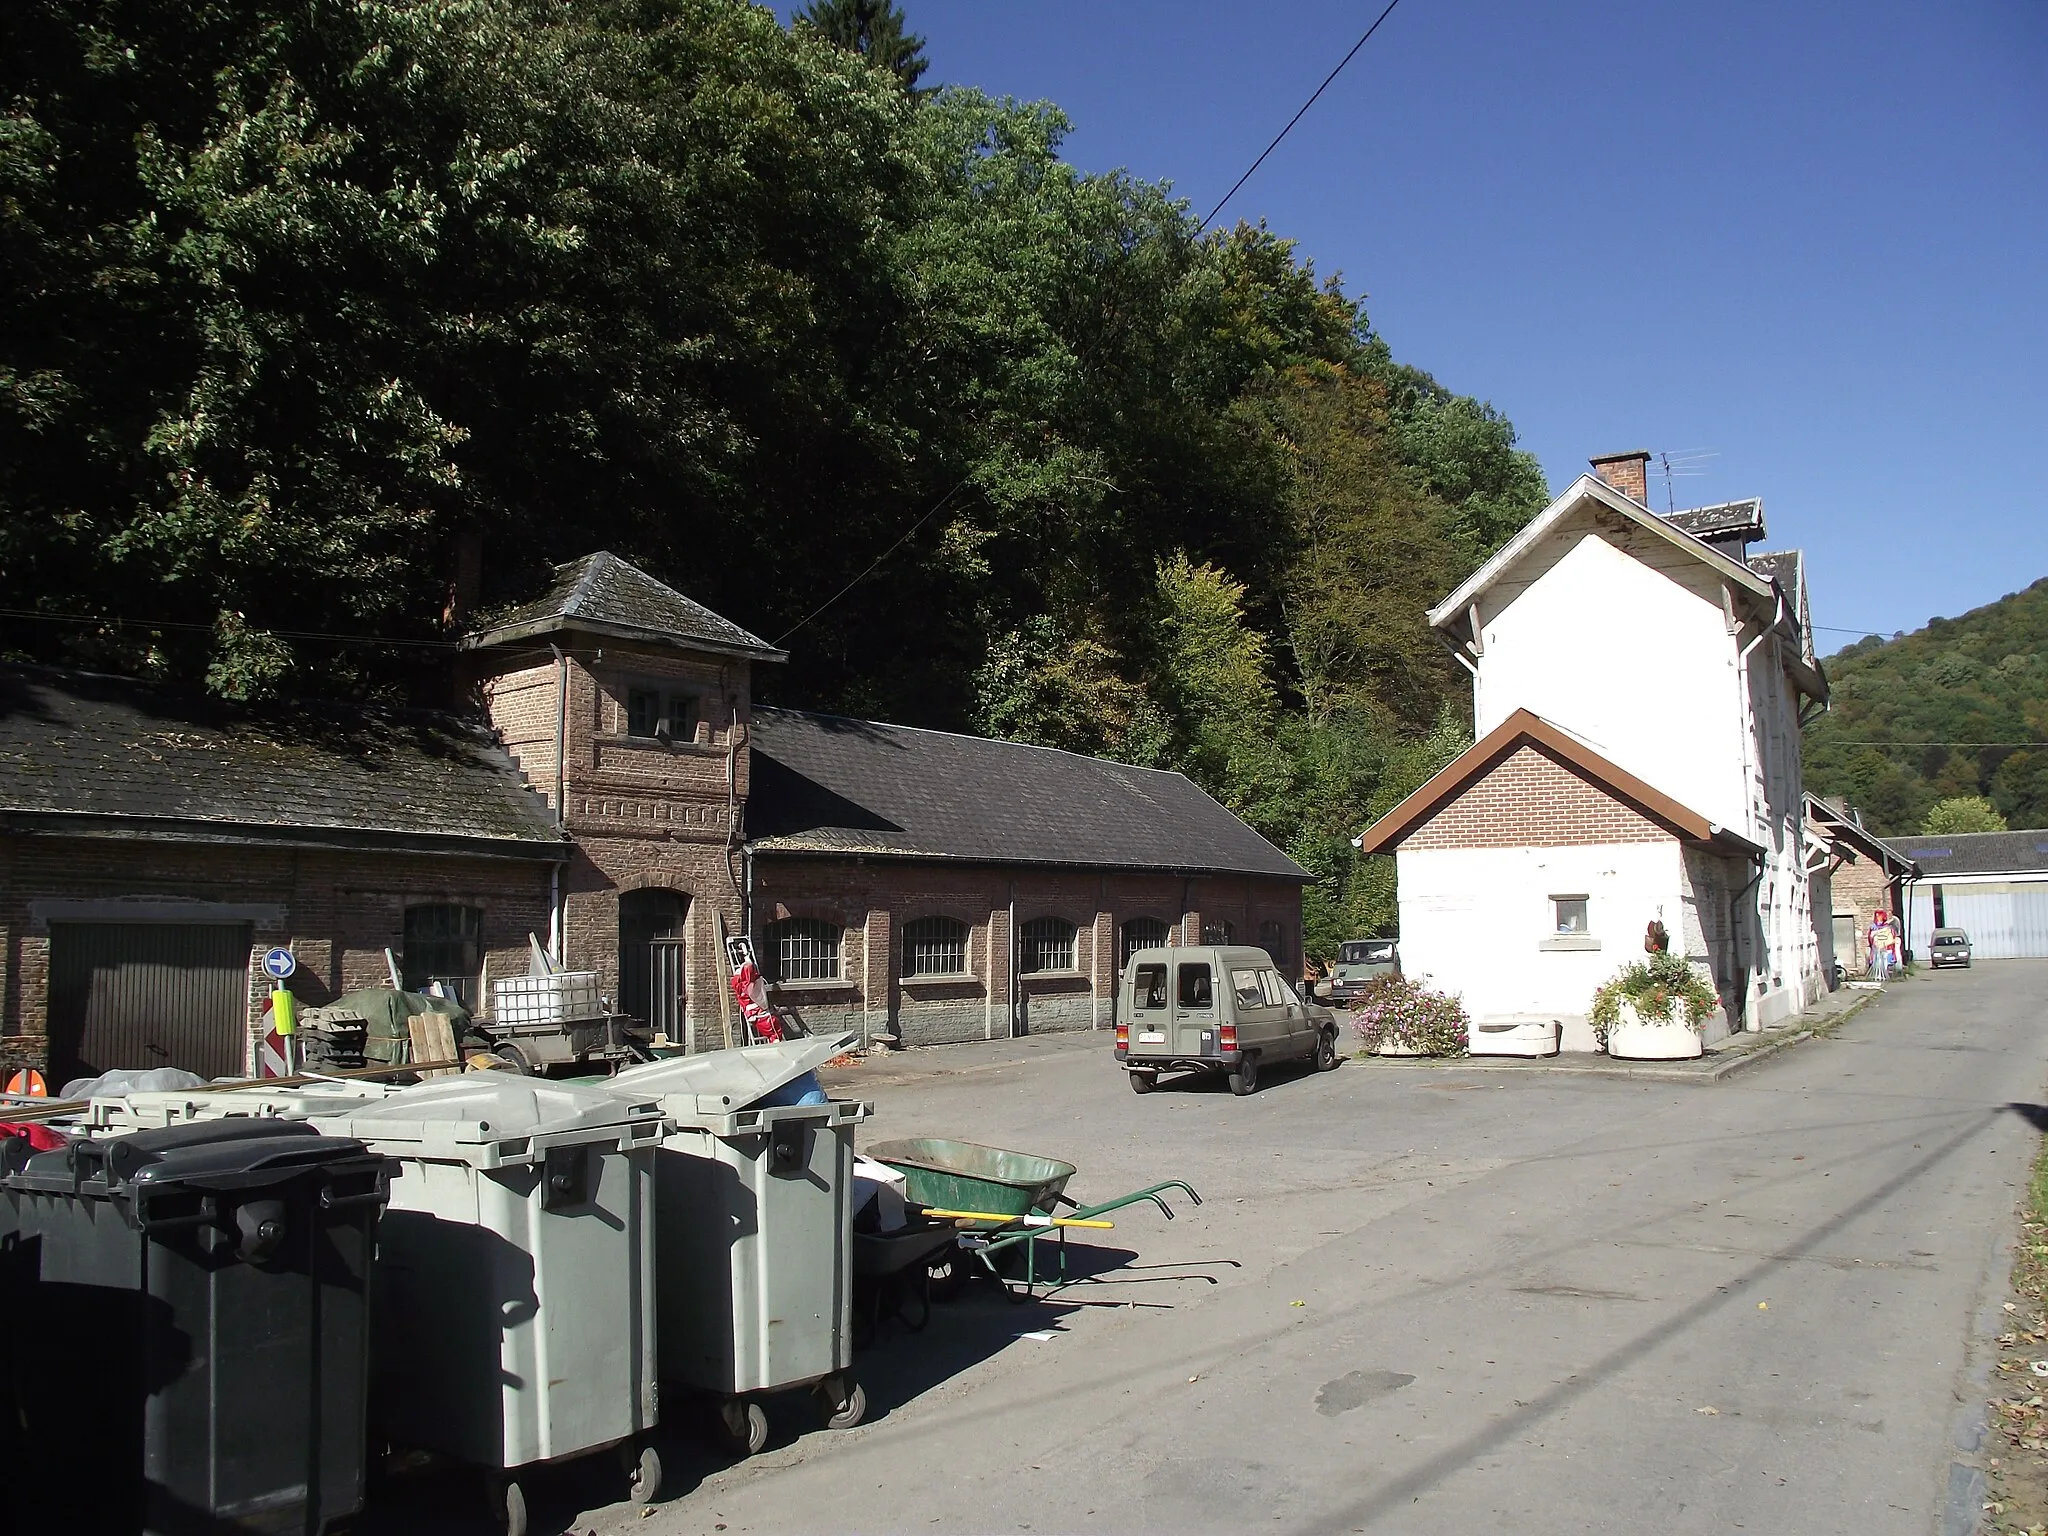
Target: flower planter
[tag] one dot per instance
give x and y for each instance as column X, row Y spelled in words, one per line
column 1636, row 1038
column 1394, row 1048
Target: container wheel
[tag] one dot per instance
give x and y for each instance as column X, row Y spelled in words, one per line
column 1245, row 1077
column 643, row 1468
column 1326, row 1052
column 508, row 1504
column 746, row 1425
column 514, row 1060
column 1143, row 1082
column 842, row 1402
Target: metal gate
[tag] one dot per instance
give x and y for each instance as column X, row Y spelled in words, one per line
column 666, row 987
column 653, row 969
column 148, row 995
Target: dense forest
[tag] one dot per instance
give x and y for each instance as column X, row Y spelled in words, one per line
column 323, row 318
column 1953, row 713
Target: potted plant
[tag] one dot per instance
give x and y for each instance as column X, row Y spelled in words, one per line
column 1396, row 1015
column 1654, row 1009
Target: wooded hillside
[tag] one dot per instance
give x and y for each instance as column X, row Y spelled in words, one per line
column 308, row 303
column 1959, row 708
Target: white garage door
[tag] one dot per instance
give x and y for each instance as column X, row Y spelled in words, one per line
column 2005, row 921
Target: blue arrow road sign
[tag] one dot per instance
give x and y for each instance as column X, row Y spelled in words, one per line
column 279, row 964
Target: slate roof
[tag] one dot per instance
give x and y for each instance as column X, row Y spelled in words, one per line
column 1722, row 519
column 824, row 784
column 609, row 596
column 1975, row 853
column 85, row 754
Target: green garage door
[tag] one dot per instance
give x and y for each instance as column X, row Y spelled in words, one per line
column 148, row 995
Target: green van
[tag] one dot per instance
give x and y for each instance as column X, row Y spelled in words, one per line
column 1215, row 1008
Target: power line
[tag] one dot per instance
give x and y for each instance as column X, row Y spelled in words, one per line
column 1916, row 745
column 902, row 539
column 1333, row 74
column 282, row 634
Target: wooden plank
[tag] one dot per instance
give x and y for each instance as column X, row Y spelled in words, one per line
column 432, row 1040
column 724, row 991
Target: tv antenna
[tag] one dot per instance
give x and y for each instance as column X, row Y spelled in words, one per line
column 1688, row 465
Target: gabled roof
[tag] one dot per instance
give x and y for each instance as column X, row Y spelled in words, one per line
column 1724, row 520
column 85, row 755
column 1581, row 490
column 825, row 784
column 1525, row 729
column 1845, row 828
column 1975, row 853
column 605, row 595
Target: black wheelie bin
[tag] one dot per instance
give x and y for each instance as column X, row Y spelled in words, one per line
column 188, row 1346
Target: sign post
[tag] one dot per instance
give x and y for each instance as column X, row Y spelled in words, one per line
column 279, row 965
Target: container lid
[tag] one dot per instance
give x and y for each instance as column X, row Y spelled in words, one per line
column 488, row 1118
column 169, row 1106
column 217, row 1155
column 727, row 1080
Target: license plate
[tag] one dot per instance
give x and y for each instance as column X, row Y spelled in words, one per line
column 1152, row 1037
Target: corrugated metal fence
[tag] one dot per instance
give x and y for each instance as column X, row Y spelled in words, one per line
column 148, row 995
column 2006, row 920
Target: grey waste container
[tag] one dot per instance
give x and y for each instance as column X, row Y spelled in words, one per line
column 515, row 1319
column 188, row 1343
column 754, row 1232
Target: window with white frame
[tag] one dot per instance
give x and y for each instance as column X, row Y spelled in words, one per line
column 804, row 949
column 1048, row 945
column 654, row 711
column 1568, row 917
column 935, row 946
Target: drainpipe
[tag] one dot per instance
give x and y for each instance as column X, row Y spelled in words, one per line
column 1014, row 971
column 558, row 936
column 1735, row 937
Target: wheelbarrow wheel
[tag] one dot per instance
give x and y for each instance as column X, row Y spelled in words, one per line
column 508, row 1504
column 914, row 1300
column 514, row 1060
column 1143, row 1082
column 643, row 1471
column 745, row 1423
column 1244, row 1078
column 842, row 1402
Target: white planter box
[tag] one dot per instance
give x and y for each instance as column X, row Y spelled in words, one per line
column 1637, row 1039
column 1395, row 1048
column 1515, row 1037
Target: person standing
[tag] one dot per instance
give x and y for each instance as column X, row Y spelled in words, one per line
column 1878, row 940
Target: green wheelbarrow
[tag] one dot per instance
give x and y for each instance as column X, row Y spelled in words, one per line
column 1017, row 1190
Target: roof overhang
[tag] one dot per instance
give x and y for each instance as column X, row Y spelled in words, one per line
column 1525, row 729
column 1862, row 842
column 539, row 630
column 241, row 834
column 802, row 848
column 1582, row 490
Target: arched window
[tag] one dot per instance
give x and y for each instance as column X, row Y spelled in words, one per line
column 1142, row 933
column 1048, row 945
column 1273, row 940
column 444, row 944
column 935, row 946
column 1219, row 933
column 803, row 949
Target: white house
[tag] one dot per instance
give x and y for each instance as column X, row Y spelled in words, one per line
column 1638, row 687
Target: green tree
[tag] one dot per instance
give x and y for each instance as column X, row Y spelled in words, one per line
column 2019, row 789
column 1964, row 813
column 877, row 30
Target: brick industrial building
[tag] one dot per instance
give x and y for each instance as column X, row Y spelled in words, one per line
column 617, row 795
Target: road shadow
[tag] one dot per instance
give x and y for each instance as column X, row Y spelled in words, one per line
column 2035, row 1115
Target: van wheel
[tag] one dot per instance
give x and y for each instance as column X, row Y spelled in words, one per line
column 1326, row 1052
column 1143, row 1082
column 1245, row 1079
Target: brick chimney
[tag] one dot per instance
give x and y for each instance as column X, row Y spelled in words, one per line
column 1628, row 473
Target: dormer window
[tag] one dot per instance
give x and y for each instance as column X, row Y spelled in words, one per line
column 661, row 712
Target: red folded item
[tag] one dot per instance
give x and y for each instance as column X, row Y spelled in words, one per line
column 39, row 1137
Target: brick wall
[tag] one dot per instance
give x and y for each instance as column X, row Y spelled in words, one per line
column 870, row 901
column 1533, row 801
column 336, row 911
column 1861, row 887
column 1628, row 473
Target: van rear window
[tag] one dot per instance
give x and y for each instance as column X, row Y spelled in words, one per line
column 1149, row 989
column 1195, row 987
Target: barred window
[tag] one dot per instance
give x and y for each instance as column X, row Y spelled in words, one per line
column 1142, row 933
column 803, row 949
column 1219, row 933
column 935, row 946
column 444, row 944
column 1048, row 945
column 1273, row 940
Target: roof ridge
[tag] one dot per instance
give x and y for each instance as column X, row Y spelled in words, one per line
column 997, row 741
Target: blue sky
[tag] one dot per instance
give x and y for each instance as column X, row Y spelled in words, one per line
column 1812, row 238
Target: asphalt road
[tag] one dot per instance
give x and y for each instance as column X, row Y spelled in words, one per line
column 1456, row 1301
